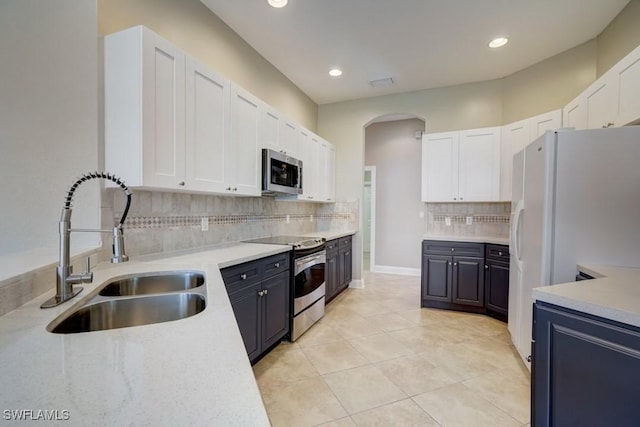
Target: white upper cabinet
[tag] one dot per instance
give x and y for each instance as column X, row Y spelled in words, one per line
column 628, row 74
column 144, row 109
column 440, row 166
column 612, row 100
column 173, row 124
column 246, row 117
column 207, row 129
column 516, row 136
column 479, row 165
column 461, row 166
column 600, row 101
column 278, row 132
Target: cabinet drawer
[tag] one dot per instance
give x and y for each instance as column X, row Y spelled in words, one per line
column 345, row 241
column 497, row 252
column 275, row 264
column 332, row 245
column 453, row 248
column 243, row 274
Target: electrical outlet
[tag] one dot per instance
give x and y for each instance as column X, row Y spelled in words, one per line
column 288, row 218
column 469, row 220
column 311, row 218
column 421, row 214
column 447, row 221
column 204, row 223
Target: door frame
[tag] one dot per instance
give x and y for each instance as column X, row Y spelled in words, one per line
column 372, row 229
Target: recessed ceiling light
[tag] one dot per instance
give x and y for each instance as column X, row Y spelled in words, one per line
column 335, row 72
column 277, row 3
column 498, row 42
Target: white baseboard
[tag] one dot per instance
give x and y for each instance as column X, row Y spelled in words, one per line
column 357, row 284
column 389, row 269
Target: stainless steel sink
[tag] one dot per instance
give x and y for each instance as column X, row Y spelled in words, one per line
column 153, row 283
column 124, row 312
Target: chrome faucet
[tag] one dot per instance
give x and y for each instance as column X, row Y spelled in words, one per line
column 64, row 277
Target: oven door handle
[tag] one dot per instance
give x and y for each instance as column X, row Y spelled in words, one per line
column 306, row 262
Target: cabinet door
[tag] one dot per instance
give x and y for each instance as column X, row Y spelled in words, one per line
column 584, row 370
column 514, row 138
column 601, row 102
column 289, row 137
column 541, row 123
column 347, row 262
column 479, row 165
column 246, row 307
column 163, row 113
column 332, row 279
column 271, row 126
column 331, row 174
column 628, row 74
column 275, row 309
column 207, row 129
column 440, row 167
column 246, row 112
column 468, row 281
column 497, row 287
column 436, row 278
column 574, row 114
column 306, row 151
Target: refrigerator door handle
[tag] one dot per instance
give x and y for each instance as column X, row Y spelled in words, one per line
column 515, row 233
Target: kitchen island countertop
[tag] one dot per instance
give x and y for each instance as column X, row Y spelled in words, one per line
column 193, row 371
column 613, row 294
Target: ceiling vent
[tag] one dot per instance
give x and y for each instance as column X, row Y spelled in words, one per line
column 388, row 81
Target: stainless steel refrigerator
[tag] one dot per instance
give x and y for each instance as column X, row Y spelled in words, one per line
column 575, row 199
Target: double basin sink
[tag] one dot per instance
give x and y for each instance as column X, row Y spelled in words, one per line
column 135, row 300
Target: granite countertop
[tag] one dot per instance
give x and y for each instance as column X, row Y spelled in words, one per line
column 471, row 239
column 192, row 371
column 613, row 294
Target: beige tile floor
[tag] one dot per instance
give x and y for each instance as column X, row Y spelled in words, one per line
column 378, row 359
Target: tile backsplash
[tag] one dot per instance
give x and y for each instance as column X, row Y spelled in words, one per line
column 487, row 219
column 163, row 222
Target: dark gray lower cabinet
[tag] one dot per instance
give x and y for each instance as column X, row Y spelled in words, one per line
column 453, row 275
column 584, row 370
column 496, row 281
column 338, row 270
column 259, row 294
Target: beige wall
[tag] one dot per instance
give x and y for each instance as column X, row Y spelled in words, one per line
column 620, row 37
column 548, row 85
column 393, row 149
column 190, row 25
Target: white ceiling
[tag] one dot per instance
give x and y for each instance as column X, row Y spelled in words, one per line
column 421, row 44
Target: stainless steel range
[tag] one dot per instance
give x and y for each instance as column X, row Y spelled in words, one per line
column 307, row 278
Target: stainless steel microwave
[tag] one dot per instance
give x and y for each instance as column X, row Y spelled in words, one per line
column 281, row 174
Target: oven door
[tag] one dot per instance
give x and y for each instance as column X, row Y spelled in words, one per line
column 309, row 280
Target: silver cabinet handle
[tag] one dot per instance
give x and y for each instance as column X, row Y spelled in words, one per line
column 455, row 264
column 449, row 262
column 235, row 188
column 453, row 249
column 277, row 265
column 455, row 198
column 486, row 267
column 228, row 188
column 243, row 276
column 266, row 291
column 260, row 293
column 181, row 183
column 499, row 253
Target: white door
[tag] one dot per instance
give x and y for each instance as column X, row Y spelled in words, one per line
column 514, row 138
column 601, row 102
column 628, row 71
column 207, row 129
column 440, row 167
column 574, row 114
column 271, row 129
column 479, row 165
column 289, row 137
column 163, row 113
column 245, row 139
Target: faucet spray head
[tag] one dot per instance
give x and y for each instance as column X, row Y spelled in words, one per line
column 118, row 246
